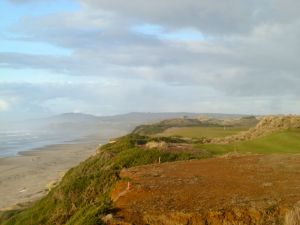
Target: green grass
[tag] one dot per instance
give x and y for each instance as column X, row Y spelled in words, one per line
column 83, row 196
column 287, row 141
column 199, row 132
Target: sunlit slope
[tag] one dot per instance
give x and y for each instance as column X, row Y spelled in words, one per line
column 199, row 132
column 287, row 141
column 82, row 197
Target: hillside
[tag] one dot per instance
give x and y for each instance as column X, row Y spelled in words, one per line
column 194, row 125
column 82, row 197
column 285, row 141
column 266, row 125
column 165, row 124
column 232, row 189
column 241, row 190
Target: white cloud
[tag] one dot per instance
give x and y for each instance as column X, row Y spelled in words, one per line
column 3, row 105
column 247, row 57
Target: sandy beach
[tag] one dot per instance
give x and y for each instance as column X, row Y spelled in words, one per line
column 27, row 177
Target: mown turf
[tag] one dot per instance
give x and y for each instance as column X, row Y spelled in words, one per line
column 287, row 141
column 199, row 132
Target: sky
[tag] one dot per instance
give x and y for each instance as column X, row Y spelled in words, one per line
column 107, row 57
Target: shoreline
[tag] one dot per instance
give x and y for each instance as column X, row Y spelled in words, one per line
column 81, row 140
column 27, row 176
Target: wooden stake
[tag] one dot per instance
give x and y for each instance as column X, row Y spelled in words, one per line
column 128, row 186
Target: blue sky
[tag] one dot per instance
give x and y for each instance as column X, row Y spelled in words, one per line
column 107, row 57
column 11, row 14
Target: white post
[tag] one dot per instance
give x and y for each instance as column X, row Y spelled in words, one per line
column 158, row 160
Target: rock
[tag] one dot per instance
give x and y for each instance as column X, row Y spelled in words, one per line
column 107, row 218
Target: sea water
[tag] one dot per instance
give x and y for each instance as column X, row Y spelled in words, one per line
column 14, row 141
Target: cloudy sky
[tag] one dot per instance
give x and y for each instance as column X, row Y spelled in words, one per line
column 114, row 56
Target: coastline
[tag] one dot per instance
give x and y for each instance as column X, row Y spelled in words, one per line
column 28, row 176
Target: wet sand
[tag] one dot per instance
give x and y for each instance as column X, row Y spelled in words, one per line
column 27, row 177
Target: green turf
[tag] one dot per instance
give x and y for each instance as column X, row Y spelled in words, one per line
column 280, row 142
column 198, row 132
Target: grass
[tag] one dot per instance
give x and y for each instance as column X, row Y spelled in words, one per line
column 199, row 132
column 293, row 217
column 83, row 196
column 152, row 129
column 287, row 141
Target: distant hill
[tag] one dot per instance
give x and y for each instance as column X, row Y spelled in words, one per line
column 125, row 122
column 146, row 117
column 196, row 121
column 77, row 125
column 73, row 117
column 155, row 128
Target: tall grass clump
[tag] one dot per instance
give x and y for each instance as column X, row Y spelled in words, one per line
column 293, row 216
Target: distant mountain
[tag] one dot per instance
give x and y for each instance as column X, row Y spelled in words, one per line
column 125, row 122
column 80, row 124
column 74, row 117
column 144, row 117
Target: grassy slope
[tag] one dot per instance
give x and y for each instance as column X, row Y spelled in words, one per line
column 198, row 132
column 287, row 141
column 83, row 195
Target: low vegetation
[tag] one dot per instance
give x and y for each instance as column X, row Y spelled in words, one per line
column 200, row 132
column 156, row 128
column 82, row 197
column 293, row 216
column 286, row 141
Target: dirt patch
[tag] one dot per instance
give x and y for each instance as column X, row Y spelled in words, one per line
column 236, row 190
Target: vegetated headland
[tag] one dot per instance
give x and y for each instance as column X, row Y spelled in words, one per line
column 188, row 170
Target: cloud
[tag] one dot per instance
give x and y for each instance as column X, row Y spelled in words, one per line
column 247, row 54
column 121, row 96
column 3, row 105
column 216, row 17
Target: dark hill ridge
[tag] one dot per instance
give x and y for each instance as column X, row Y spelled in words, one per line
column 73, row 117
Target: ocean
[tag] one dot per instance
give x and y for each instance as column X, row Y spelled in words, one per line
column 14, row 141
